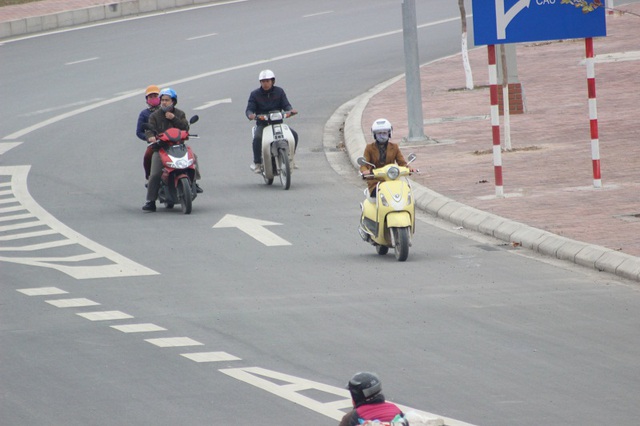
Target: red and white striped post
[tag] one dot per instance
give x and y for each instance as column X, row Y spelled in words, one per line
column 593, row 113
column 495, row 120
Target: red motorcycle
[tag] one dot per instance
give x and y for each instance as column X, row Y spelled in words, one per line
column 177, row 185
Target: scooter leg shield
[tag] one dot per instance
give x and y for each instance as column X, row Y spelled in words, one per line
column 399, row 220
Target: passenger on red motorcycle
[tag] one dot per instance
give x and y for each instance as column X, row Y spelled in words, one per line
column 268, row 97
column 381, row 152
column 152, row 98
column 166, row 117
column 368, row 402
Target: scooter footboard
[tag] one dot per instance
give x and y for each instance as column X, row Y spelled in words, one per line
column 398, row 220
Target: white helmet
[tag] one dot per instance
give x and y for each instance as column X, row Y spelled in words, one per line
column 381, row 125
column 266, row 75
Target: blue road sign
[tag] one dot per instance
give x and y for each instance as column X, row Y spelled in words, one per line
column 514, row 21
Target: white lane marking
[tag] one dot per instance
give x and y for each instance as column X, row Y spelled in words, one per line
column 211, row 357
column 255, row 228
column 111, row 264
column 41, row 246
column 202, row 36
column 138, row 328
column 82, row 61
column 311, row 15
column 213, row 103
column 27, row 130
column 11, row 209
column 27, row 235
column 259, row 377
column 41, row 291
column 168, row 342
column 104, row 315
column 71, row 303
column 63, row 106
column 6, row 146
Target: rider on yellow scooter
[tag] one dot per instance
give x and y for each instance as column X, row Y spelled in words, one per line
column 381, row 152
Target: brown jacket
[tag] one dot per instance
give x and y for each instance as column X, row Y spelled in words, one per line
column 372, row 155
column 159, row 123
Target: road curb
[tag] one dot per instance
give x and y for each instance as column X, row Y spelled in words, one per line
column 93, row 14
column 515, row 233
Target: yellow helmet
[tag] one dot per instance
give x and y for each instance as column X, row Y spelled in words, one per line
column 152, row 89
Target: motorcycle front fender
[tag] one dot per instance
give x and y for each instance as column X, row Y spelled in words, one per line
column 399, row 220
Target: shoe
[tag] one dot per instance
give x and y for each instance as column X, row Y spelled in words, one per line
column 293, row 164
column 256, row 167
column 149, row 206
column 146, row 183
column 198, row 189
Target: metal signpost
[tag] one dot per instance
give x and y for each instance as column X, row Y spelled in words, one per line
column 514, row 21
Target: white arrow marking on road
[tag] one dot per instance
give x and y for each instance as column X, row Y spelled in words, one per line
column 334, row 402
column 213, row 103
column 255, row 228
column 503, row 19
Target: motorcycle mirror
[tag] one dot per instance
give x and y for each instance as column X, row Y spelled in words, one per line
column 362, row 162
column 411, row 158
column 194, row 119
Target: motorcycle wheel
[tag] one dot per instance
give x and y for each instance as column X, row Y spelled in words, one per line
column 184, row 195
column 285, row 168
column 382, row 250
column 402, row 244
column 267, row 181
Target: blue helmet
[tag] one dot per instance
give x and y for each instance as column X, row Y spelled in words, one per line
column 171, row 93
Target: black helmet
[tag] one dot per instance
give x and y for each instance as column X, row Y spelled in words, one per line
column 364, row 386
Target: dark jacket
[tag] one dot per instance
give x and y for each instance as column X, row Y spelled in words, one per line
column 372, row 155
column 159, row 123
column 143, row 119
column 262, row 101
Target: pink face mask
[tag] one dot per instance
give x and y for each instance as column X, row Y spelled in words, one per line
column 153, row 101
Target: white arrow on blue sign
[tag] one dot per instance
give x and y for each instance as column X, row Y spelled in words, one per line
column 514, row 21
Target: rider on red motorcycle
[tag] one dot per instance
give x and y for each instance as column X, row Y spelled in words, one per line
column 166, row 117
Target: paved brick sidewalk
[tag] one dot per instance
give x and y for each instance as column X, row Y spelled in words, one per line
column 548, row 177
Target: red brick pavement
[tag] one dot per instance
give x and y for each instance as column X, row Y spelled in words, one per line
column 548, row 176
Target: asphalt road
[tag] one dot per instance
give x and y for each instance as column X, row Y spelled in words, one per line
column 166, row 319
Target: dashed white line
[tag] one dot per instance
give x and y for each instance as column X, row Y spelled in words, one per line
column 317, row 14
column 211, row 357
column 104, row 315
column 138, row 328
column 168, row 342
column 41, row 291
column 81, row 61
column 202, row 36
column 71, row 303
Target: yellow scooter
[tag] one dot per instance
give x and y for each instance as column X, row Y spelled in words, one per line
column 388, row 219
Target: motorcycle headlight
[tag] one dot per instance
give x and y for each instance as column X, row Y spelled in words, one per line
column 393, row 173
column 275, row 116
column 180, row 164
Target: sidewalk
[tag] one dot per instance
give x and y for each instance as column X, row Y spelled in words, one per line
column 548, row 176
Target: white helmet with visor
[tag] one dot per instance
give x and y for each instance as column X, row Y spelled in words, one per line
column 381, row 130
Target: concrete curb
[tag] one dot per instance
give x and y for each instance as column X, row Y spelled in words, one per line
column 103, row 12
column 544, row 242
